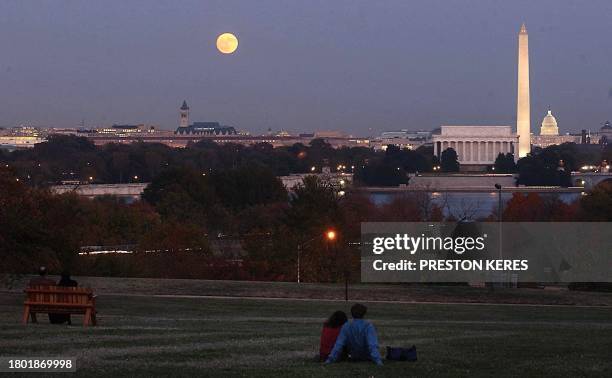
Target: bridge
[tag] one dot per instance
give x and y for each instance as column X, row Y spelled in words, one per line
column 581, row 181
column 431, row 183
column 589, row 180
column 129, row 192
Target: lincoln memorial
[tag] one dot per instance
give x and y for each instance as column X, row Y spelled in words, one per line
column 476, row 145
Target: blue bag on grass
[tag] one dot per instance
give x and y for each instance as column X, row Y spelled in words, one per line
column 401, row 354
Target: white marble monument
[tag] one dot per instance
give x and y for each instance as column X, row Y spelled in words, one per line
column 523, row 123
column 476, row 145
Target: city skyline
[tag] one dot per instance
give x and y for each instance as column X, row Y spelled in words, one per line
column 290, row 74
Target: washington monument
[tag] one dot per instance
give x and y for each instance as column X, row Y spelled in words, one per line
column 523, row 125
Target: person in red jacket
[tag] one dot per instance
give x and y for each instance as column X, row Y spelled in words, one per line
column 329, row 334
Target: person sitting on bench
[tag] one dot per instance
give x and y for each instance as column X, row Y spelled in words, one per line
column 65, row 281
column 358, row 337
column 42, row 279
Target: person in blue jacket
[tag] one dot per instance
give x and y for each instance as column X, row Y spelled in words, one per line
column 358, row 338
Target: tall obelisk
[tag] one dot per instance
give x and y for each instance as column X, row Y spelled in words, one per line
column 523, row 124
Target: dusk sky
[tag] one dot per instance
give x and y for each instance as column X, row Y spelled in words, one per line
column 357, row 66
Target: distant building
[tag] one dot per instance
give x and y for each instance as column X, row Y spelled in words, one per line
column 605, row 133
column 206, row 129
column 330, row 134
column 338, row 180
column 20, row 137
column 9, row 142
column 125, row 130
column 549, row 125
column 402, row 139
column 68, row 131
column 406, row 134
column 476, row 146
column 200, row 128
column 549, row 134
column 544, row 141
column 603, row 136
column 128, row 192
column 184, row 114
column 188, row 133
column 585, row 138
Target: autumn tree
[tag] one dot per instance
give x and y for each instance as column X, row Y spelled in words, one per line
column 533, row 207
column 597, row 204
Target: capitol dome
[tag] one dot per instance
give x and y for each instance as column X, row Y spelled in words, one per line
column 549, row 125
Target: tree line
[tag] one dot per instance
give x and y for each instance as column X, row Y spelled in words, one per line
column 77, row 159
column 70, row 158
column 187, row 222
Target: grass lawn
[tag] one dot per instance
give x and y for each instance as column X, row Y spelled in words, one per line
column 361, row 292
column 145, row 336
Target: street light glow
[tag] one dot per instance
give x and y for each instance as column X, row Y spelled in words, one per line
column 331, row 235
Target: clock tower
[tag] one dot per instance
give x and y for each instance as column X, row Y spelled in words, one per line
column 184, row 118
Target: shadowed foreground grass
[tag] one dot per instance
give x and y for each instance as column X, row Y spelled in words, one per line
column 145, row 336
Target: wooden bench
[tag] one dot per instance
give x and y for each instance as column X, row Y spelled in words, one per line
column 60, row 300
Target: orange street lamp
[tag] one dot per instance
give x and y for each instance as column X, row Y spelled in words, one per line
column 331, row 235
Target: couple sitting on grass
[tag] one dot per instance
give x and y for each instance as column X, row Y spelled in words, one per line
column 354, row 341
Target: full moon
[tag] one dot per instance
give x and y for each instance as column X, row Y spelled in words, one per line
column 227, row 43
